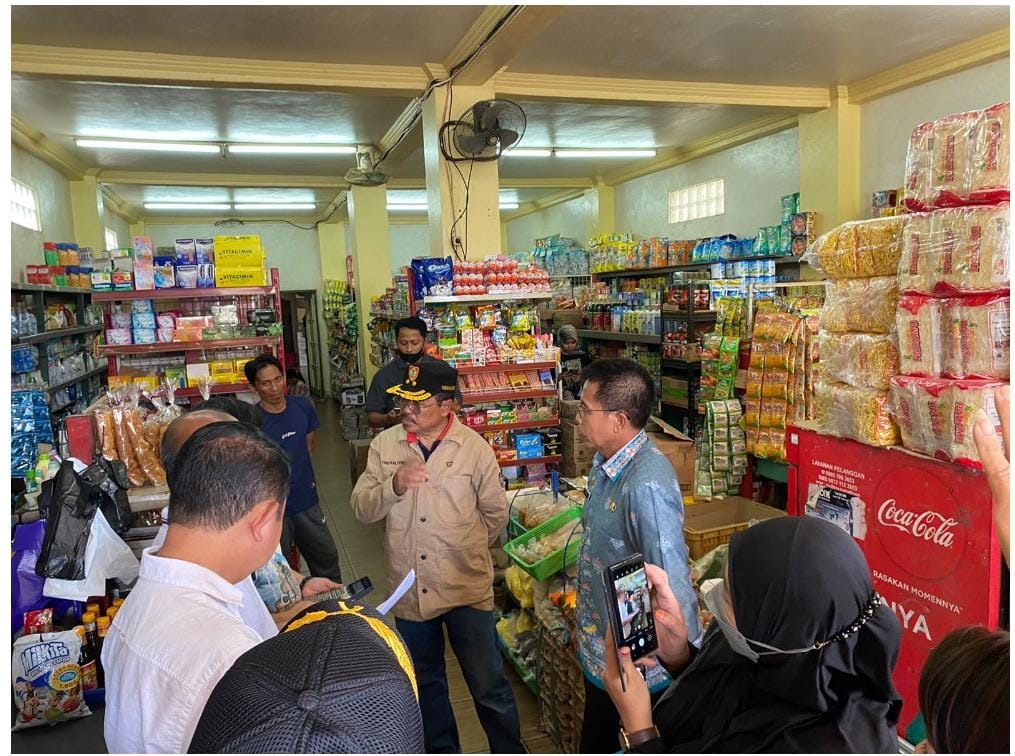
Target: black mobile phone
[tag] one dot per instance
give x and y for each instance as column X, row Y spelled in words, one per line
column 354, row 591
column 629, row 602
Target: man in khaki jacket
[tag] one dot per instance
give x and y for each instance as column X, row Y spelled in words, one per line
column 438, row 486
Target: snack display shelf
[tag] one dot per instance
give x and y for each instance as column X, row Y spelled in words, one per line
column 552, row 460
column 474, row 397
column 188, row 346
column 681, row 364
column 505, row 366
column 635, row 272
column 221, row 388
column 679, row 312
column 479, row 298
column 208, row 293
column 78, row 379
column 552, row 422
column 27, row 288
column 388, row 315
column 58, row 334
column 639, row 338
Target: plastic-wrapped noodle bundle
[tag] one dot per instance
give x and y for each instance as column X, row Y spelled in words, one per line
column 861, row 414
column 860, row 359
column 862, row 305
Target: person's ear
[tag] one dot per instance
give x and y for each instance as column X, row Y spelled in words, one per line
column 263, row 520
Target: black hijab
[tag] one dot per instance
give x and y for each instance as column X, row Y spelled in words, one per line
column 793, row 581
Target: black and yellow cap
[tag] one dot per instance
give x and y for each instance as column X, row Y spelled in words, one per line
column 424, row 379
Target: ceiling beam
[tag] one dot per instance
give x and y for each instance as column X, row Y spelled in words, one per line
column 596, row 89
column 404, row 136
column 117, row 204
column 546, row 183
column 34, row 142
column 976, row 52
column 260, row 180
column 155, row 219
column 197, row 70
column 718, row 142
column 515, row 35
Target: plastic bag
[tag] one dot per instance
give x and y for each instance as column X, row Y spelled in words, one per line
column 858, row 413
column 976, row 337
column 859, row 249
column 990, row 166
column 109, row 479
column 918, row 321
column 69, row 512
column 859, row 359
column 26, row 586
column 106, row 557
column 861, row 305
column 47, row 679
column 962, row 250
column 935, row 416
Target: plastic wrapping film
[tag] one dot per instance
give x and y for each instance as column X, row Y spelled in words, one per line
column 976, row 337
column 962, row 250
column 859, row 249
column 958, row 159
column 861, row 305
column 918, row 322
column 935, row 415
column 859, row 359
column 861, row 414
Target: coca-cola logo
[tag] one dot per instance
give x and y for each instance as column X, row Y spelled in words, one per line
column 921, row 526
column 926, row 526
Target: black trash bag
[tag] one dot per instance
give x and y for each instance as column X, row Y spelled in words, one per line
column 68, row 504
column 109, row 483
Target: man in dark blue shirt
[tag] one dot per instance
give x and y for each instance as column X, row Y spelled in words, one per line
column 291, row 422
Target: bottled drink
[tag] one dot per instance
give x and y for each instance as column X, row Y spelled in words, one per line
column 89, row 666
column 102, row 626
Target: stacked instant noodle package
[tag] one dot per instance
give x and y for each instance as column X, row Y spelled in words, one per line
column 953, row 319
column 859, row 351
column 916, row 321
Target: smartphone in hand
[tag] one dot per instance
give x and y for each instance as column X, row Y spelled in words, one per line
column 629, row 603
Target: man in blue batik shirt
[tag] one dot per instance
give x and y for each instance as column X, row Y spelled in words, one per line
column 634, row 506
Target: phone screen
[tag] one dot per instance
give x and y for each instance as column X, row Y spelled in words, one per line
column 630, row 602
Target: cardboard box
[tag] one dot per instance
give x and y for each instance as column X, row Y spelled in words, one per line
column 710, row 524
column 675, row 392
column 196, row 371
column 569, row 409
column 239, row 251
column 677, row 448
column 359, row 450
column 227, row 278
column 574, row 469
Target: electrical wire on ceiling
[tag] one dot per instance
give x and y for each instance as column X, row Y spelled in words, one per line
column 452, row 73
column 325, row 219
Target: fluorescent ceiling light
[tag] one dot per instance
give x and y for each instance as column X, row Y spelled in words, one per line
column 292, row 149
column 508, row 205
column 604, row 153
column 522, row 152
column 186, row 206
column 123, row 144
column 407, row 206
column 276, row 206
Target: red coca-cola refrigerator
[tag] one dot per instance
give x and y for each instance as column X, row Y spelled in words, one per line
column 925, row 527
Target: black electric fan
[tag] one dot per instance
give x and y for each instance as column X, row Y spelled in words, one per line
column 484, row 132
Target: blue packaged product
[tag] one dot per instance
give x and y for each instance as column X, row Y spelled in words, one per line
column 186, row 252
column 143, row 320
column 204, row 251
column 528, row 441
column 432, row 277
column 186, row 276
column 145, row 336
column 142, row 305
column 206, row 276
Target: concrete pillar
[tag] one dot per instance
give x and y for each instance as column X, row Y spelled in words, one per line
column 370, row 245
column 136, row 229
column 88, row 212
column 602, row 217
column 444, row 182
column 830, row 162
column 331, row 238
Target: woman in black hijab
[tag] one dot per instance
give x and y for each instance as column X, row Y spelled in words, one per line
column 798, row 659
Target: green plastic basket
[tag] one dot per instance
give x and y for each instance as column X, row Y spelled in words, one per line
column 556, row 561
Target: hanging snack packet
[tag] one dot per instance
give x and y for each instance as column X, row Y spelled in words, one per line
column 47, row 679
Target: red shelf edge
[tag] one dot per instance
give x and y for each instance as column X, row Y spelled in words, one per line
column 552, row 460
column 207, row 293
column 515, row 426
column 188, row 346
column 500, row 396
column 505, row 367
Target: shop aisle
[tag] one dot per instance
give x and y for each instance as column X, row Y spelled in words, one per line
column 361, row 550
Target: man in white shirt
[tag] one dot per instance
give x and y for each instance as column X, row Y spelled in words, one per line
column 183, row 626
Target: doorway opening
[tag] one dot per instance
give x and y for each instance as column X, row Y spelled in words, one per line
column 301, row 337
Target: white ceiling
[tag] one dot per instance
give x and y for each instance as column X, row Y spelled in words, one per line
column 780, row 45
column 791, row 45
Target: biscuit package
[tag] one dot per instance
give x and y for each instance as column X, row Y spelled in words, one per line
column 963, row 250
column 47, row 679
column 861, row 305
column 860, row 249
column 935, row 416
column 861, row 414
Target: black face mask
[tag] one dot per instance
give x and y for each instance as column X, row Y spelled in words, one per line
column 410, row 358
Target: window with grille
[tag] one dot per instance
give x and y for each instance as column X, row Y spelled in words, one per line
column 111, row 240
column 24, row 205
column 698, row 201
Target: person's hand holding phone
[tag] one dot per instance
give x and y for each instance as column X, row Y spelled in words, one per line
column 412, row 474
column 671, row 628
column 626, row 687
column 317, row 585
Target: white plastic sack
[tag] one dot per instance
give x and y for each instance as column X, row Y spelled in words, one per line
column 106, row 556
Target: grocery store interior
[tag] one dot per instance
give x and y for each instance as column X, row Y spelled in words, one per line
column 793, row 219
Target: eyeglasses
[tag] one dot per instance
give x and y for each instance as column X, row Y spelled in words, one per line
column 582, row 409
column 411, row 407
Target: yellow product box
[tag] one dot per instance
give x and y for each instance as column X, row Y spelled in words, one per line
column 148, row 382
column 119, row 381
column 195, row 371
column 238, row 251
column 222, row 371
column 238, row 366
column 231, row 278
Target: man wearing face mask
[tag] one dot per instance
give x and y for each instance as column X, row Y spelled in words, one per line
column 410, row 340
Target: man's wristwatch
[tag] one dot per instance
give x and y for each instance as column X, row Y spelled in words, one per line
column 304, row 582
column 636, row 738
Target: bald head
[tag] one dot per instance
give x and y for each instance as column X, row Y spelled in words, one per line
column 182, row 428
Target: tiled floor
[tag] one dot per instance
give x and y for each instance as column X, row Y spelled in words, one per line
column 361, row 551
